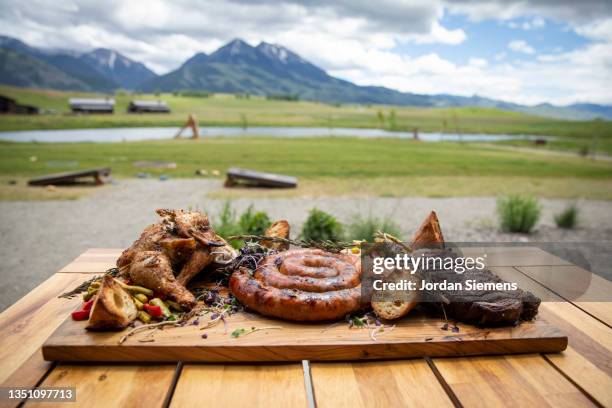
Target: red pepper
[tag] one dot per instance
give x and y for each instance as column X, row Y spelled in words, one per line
column 154, row 311
column 80, row 315
column 87, row 305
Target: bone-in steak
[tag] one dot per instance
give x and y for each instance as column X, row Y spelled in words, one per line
column 486, row 307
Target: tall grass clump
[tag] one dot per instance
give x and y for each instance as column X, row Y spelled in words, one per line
column 364, row 228
column 568, row 218
column 254, row 222
column 227, row 225
column 518, row 213
column 321, row 226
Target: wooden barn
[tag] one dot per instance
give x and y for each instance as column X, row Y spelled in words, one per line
column 86, row 105
column 10, row 106
column 148, row 107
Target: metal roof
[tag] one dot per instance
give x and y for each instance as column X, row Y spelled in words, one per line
column 149, row 104
column 92, row 102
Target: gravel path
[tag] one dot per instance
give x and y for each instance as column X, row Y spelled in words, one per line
column 40, row 237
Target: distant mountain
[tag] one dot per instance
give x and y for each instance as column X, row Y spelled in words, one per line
column 237, row 67
column 22, row 70
column 271, row 69
column 268, row 69
column 99, row 70
column 127, row 73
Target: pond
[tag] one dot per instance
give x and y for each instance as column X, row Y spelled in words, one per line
column 156, row 133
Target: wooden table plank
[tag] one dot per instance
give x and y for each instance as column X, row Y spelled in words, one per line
column 514, row 256
column 382, row 383
column 27, row 324
column 588, row 358
column 95, row 260
column 526, row 380
column 590, row 292
column 113, row 385
column 267, row 385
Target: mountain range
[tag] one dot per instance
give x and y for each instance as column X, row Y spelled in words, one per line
column 237, row 67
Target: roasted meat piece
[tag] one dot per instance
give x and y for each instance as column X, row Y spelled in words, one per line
column 152, row 270
column 168, row 254
column 482, row 307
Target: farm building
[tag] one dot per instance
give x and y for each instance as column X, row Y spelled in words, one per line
column 82, row 105
column 148, row 107
column 10, row 105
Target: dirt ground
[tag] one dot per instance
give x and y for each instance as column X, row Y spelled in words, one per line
column 39, row 237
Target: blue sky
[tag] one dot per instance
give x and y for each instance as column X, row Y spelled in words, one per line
column 490, row 38
column 524, row 51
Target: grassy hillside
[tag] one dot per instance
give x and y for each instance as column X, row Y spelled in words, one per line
column 230, row 110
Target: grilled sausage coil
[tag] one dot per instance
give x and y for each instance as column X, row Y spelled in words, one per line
column 301, row 285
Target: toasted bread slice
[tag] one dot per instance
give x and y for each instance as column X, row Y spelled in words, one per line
column 429, row 233
column 389, row 308
column 113, row 308
column 392, row 310
column 279, row 229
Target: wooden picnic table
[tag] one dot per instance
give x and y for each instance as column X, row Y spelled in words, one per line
column 580, row 376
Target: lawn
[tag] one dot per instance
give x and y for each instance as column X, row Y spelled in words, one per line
column 384, row 167
column 231, row 110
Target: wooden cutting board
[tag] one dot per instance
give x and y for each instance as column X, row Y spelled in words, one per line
column 416, row 335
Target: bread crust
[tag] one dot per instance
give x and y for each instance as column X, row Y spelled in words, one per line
column 279, row 229
column 429, row 233
column 113, row 307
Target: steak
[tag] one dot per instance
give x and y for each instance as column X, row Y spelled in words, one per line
column 482, row 307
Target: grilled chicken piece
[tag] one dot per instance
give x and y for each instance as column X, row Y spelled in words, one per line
column 189, row 224
column 152, row 269
column 199, row 260
column 181, row 245
column 149, row 240
column 179, row 250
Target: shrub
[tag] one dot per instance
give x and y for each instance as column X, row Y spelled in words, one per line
column 254, row 223
column 568, row 218
column 227, row 224
column 365, row 228
column 320, row 226
column 518, row 214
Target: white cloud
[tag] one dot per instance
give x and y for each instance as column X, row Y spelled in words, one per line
column 478, row 62
column 521, row 46
column 533, row 24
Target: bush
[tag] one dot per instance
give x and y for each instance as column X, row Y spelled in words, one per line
column 321, row 226
column 254, row 223
column 518, row 214
column 365, row 228
column 568, row 218
column 227, row 224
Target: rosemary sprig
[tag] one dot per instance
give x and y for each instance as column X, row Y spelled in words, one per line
column 326, row 245
column 114, row 272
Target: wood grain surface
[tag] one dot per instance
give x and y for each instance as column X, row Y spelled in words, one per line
column 26, row 325
column 414, row 336
column 405, row 383
column 264, row 385
column 113, row 385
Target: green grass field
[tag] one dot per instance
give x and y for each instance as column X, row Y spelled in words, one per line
column 229, row 110
column 384, row 167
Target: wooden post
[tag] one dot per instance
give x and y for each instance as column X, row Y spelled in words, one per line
column 192, row 122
